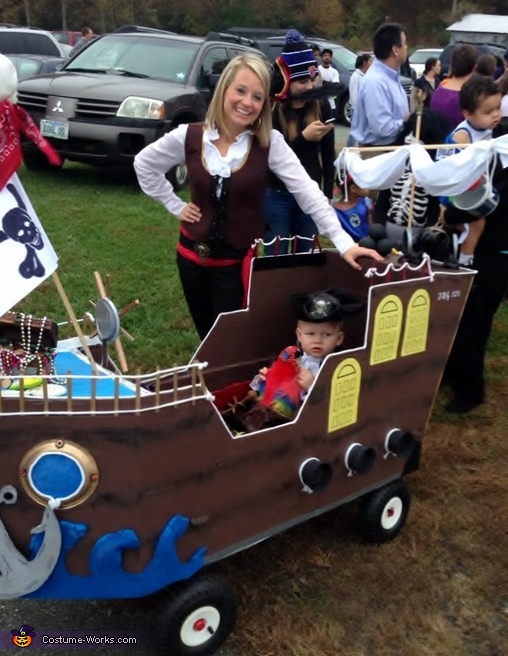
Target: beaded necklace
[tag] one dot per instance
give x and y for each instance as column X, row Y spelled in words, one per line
column 14, row 362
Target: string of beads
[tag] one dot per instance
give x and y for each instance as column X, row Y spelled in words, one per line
column 31, row 354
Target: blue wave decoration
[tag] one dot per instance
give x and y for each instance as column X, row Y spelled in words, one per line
column 107, row 578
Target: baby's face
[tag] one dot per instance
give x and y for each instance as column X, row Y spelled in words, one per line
column 319, row 339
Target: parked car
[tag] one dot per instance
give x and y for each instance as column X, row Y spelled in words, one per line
column 30, row 65
column 482, row 48
column 123, row 91
column 418, row 58
column 68, row 37
column 28, row 40
column 343, row 60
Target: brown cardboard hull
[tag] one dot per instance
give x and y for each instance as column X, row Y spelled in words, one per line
column 175, row 456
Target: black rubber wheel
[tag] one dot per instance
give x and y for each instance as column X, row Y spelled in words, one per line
column 344, row 114
column 37, row 161
column 383, row 512
column 198, row 617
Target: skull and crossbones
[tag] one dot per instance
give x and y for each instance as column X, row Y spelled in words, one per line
column 18, row 225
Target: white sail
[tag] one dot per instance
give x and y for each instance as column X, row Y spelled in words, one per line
column 26, row 254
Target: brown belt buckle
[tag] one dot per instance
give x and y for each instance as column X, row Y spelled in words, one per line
column 202, row 250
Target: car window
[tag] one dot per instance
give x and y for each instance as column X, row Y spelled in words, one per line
column 62, row 37
column 26, row 67
column 420, row 57
column 28, row 43
column 341, row 55
column 273, row 52
column 151, row 57
column 214, row 61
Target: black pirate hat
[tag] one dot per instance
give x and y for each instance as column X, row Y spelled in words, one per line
column 328, row 305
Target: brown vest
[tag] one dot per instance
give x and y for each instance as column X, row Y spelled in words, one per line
column 244, row 218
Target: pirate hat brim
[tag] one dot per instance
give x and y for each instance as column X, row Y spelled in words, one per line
column 327, row 305
column 279, row 88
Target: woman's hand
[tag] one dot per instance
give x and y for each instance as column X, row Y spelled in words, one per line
column 316, row 130
column 359, row 251
column 190, row 213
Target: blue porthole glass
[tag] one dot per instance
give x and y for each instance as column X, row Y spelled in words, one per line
column 56, row 475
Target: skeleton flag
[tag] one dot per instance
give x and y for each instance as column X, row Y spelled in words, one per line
column 26, row 254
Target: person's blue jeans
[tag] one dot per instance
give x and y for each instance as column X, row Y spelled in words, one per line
column 286, row 219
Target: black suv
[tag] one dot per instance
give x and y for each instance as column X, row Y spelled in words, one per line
column 343, row 60
column 482, row 48
column 123, row 91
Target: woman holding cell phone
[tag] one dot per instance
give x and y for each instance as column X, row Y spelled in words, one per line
column 307, row 126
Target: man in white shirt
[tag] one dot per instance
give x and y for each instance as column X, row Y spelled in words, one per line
column 362, row 64
column 328, row 72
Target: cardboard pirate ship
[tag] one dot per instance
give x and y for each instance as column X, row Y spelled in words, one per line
column 140, row 481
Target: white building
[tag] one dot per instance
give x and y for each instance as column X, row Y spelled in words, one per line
column 480, row 28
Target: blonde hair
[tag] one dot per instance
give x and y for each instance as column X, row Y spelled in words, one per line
column 260, row 68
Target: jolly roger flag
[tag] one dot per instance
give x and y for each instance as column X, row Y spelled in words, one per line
column 26, row 255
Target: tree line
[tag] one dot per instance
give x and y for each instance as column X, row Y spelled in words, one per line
column 350, row 21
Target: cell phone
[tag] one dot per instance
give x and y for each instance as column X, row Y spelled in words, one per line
column 329, row 120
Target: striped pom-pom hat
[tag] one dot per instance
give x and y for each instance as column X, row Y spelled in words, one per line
column 298, row 57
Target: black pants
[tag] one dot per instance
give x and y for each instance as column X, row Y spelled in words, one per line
column 466, row 363
column 209, row 291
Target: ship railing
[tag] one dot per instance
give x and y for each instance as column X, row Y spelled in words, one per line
column 106, row 393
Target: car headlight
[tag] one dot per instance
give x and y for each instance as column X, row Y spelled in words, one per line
column 136, row 107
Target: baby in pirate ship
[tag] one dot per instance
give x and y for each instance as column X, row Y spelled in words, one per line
column 279, row 390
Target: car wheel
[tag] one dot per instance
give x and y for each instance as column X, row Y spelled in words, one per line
column 198, row 617
column 345, row 112
column 383, row 512
column 179, row 177
column 37, row 161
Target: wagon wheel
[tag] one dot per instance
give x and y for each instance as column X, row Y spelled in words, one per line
column 107, row 321
column 383, row 512
column 198, row 617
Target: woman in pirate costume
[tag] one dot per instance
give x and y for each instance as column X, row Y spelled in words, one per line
column 229, row 159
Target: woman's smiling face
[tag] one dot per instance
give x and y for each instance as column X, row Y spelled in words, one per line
column 243, row 101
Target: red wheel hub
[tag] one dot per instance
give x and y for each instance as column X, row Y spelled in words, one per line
column 199, row 625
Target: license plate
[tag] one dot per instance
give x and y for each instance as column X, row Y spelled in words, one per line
column 55, row 129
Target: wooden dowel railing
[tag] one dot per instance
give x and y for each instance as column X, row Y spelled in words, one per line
column 69, row 392
column 138, row 391
column 93, row 395
column 45, row 396
column 193, row 378
column 116, row 399
column 175, row 385
column 22, row 394
column 157, row 389
column 380, row 149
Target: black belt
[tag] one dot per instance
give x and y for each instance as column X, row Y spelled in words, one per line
column 217, row 250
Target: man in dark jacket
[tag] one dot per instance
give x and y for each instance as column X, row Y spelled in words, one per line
column 466, row 363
